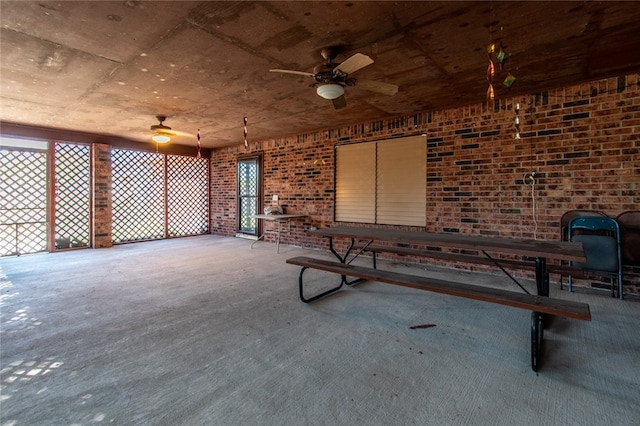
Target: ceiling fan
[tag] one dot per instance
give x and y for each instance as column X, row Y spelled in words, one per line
column 331, row 78
column 161, row 133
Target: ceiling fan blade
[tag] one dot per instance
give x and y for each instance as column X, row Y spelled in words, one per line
column 378, row 87
column 185, row 134
column 354, row 63
column 339, row 102
column 306, row 74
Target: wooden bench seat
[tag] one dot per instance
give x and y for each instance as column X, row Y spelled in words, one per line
column 539, row 305
column 467, row 258
column 564, row 308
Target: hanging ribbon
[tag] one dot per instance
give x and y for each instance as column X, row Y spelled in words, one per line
column 246, row 144
column 516, row 122
column 491, row 72
column 199, row 146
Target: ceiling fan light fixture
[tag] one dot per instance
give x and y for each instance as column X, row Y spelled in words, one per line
column 161, row 137
column 330, row 91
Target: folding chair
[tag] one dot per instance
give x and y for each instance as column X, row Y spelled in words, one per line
column 571, row 214
column 600, row 237
column 629, row 223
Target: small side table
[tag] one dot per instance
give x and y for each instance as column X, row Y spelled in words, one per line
column 278, row 218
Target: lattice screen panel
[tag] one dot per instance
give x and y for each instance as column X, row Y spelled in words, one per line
column 23, row 205
column 137, row 195
column 72, row 196
column 187, row 188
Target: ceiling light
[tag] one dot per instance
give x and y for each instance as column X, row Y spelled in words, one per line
column 330, row 91
column 160, row 137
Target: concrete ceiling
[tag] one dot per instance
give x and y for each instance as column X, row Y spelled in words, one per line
column 109, row 67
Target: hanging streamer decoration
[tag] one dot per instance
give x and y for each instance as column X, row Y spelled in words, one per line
column 516, row 122
column 501, row 56
column 498, row 56
column 199, row 145
column 509, row 80
column 246, row 144
column 491, row 72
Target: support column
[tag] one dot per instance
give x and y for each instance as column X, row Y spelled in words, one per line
column 102, row 202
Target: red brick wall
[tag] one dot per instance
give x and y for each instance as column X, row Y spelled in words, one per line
column 101, row 162
column 223, row 194
column 582, row 143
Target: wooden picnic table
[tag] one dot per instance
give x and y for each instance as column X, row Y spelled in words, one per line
column 561, row 250
column 541, row 250
column 540, row 304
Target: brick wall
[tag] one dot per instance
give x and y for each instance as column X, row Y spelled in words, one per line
column 223, row 194
column 102, row 196
column 581, row 143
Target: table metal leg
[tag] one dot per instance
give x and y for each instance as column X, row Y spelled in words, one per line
column 495, row 262
column 340, row 257
column 317, row 296
column 542, row 277
column 343, row 278
column 278, row 230
column 258, row 239
column 343, row 259
column 538, row 319
column 537, row 333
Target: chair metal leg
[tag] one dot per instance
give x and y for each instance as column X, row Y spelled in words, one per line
column 570, row 283
column 620, row 291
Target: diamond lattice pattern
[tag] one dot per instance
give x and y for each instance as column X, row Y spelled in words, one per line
column 138, row 195
column 23, row 209
column 187, row 200
column 72, row 197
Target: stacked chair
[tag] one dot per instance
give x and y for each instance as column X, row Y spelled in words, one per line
column 571, row 214
column 608, row 243
column 564, row 229
column 600, row 237
column 629, row 223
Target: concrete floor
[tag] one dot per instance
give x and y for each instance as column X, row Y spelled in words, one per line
column 207, row 331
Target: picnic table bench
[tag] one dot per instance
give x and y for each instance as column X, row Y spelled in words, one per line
column 501, row 263
column 540, row 304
